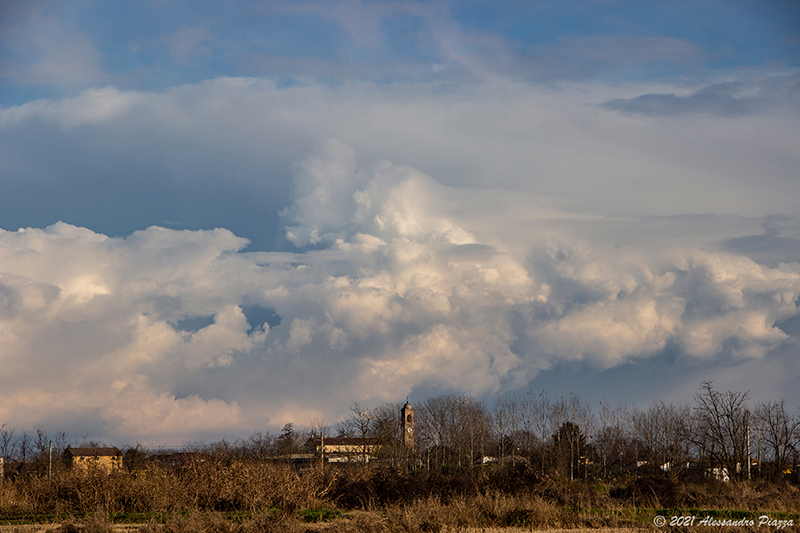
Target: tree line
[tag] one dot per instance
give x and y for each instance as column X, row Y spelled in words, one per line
column 720, row 434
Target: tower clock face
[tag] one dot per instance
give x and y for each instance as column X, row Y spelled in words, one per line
column 409, row 430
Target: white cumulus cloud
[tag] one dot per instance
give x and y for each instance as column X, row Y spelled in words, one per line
column 397, row 283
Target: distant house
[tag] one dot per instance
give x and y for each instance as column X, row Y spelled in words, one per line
column 344, row 449
column 507, row 460
column 105, row 459
column 296, row 459
column 718, row 473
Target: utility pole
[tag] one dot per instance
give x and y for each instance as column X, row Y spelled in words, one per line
column 50, row 469
column 758, row 455
column 748, row 451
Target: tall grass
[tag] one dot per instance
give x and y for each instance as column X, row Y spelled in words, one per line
column 248, row 496
column 204, row 487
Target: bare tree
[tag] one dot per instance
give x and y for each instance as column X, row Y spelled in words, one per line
column 720, row 429
column 475, row 428
column 387, row 422
column 318, row 427
column 362, row 425
column 779, row 431
column 570, row 445
column 541, row 420
column 611, row 438
column 362, row 422
column 260, row 445
column 452, row 429
column 660, row 429
column 527, row 426
column 7, row 446
column 507, row 420
column 387, row 429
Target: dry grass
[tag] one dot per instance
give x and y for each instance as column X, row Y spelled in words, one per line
column 250, row 497
column 208, row 487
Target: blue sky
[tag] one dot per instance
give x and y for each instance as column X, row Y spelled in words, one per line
column 246, row 213
column 53, row 49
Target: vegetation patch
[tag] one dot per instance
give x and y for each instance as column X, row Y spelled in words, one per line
column 320, row 515
column 476, row 469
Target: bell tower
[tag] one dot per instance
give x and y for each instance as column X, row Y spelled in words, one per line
column 407, row 412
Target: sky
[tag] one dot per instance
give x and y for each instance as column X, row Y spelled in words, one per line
column 220, row 217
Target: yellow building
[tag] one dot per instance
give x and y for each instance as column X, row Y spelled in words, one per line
column 345, row 449
column 106, row 459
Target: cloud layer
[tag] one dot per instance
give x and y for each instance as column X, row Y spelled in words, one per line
column 119, row 160
column 233, row 218
column 396, row 284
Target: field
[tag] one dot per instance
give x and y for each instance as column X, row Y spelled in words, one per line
column 243, row 497
column 55, row 528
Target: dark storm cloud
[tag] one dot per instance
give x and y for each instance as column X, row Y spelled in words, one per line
column 731, row 99
column 779, row 243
